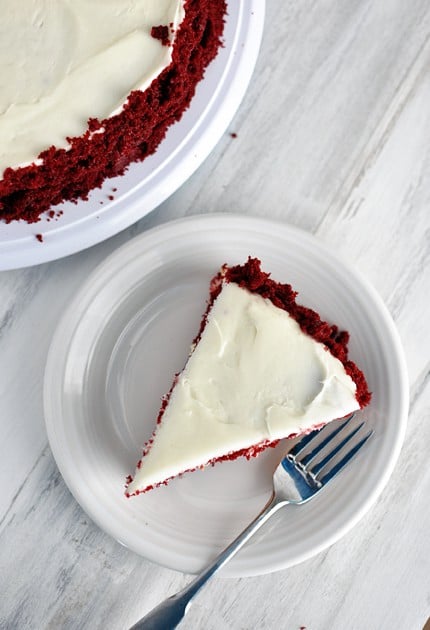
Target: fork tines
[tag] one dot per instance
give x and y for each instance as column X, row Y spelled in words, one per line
column 304, row 463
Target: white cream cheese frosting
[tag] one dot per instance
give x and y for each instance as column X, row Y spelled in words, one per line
column 253, row 376
column 65, row 61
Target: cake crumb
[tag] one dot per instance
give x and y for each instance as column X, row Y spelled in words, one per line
column 161, row 33
column 39, row 238
column 111, row 197
column 233, row 134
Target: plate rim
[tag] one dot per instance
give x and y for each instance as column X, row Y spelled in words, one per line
column 197, row 223
column 136, row 203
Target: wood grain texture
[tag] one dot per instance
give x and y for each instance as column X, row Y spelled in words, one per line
column 334, row 137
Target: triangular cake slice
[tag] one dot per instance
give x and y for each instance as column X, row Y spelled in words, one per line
column 262, row 368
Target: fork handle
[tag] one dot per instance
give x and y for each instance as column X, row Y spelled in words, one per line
column 168, row 614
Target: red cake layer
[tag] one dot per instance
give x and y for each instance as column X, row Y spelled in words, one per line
column 130, row 136
column 251, row 277
column 253, row 451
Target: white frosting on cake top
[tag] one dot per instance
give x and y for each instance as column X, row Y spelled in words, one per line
column 254, row 376
column 65, row 61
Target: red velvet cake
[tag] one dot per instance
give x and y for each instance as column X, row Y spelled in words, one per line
column 262, row 368
column 92, row 111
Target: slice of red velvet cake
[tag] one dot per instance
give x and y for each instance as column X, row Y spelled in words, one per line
column 89, row 87
column 261, row 369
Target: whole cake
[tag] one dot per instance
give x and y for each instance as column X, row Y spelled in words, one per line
column 88, row 87
column 262, row 368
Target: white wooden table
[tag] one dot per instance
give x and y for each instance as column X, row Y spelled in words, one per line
column 333, row 136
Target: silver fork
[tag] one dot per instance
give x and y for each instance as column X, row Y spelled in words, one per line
column 307, row 479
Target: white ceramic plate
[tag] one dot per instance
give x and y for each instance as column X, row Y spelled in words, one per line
column 147, row 184
column 114, row 355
